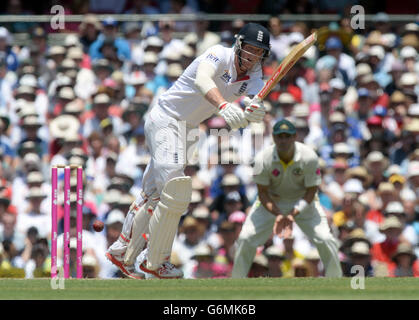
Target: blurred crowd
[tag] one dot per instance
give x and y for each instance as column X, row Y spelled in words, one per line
column 273, row 7
column 353, row 99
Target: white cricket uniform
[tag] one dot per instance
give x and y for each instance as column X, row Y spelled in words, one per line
column 182, row 108
column 170, row 123
column 287, row 184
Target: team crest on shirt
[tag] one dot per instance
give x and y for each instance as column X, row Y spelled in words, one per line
column 297, row 171
column 226, row 77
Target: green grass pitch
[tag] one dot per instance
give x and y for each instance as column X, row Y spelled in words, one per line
column 210, row 289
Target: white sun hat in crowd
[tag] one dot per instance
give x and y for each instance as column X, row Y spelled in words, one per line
column 174, row 70
column 150, row 57
column 360, row 248
column 136, row 78
column 300, row 110
column 154, row 41
column 377, row 51
column 75, row 53
column 337, row 83
column 63, row 125
column 115, row 216
column 413, row 169
column 408, row 79
column 353, row 186
column 408, row 52
column 71, row 40
column 66, row 93
column 28, row 80
column 363, row 69
column 413, row 110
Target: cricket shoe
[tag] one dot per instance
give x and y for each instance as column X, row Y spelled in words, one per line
column 129, row 271
column 166, row 270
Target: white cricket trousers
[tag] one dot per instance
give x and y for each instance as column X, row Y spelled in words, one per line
column 169, row 143
column 258, row 228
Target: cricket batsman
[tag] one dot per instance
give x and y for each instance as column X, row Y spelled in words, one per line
column 287, row 176
column 206, row 87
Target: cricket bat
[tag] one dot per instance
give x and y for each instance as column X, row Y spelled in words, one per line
column 287, row 64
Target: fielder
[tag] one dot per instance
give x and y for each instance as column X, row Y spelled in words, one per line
column 287, row 178
column 219, row 75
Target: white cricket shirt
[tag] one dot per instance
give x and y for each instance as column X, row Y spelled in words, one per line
column 288, row 182
column 184, row 102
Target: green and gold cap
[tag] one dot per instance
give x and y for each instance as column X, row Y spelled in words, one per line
column 284, row 126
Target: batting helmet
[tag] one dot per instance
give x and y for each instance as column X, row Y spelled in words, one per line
column 255, row 35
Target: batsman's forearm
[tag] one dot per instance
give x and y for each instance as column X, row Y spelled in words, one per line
column 214, row 97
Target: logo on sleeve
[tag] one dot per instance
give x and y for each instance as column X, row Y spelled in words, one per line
column 276, row 172
column 226, row 77
column 212, row 57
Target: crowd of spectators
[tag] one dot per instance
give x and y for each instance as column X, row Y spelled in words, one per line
column 274, row 7
column 354, row 100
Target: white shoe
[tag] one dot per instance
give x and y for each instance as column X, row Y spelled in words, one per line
column 166, row 270
column 142, row 256
column 129, row 271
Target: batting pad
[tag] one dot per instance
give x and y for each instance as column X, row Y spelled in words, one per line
column 124, row 237
column 139, row 228
column 174, row 201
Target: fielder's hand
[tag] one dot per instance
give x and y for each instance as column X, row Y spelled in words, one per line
column 283, row 226
column 255, row 110
column 233, row 115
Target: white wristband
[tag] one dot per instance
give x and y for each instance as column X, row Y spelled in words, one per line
column 301, row 205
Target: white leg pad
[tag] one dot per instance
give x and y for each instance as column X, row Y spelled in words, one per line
column 119, row 247
column 139, row 229
column 174, row 200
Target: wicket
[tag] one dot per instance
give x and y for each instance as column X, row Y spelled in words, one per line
column 54, row 211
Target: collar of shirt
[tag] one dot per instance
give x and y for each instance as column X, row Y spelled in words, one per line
column 295, row 158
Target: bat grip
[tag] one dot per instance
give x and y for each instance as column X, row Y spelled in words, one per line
column 257, row 98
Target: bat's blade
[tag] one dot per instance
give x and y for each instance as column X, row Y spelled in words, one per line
column 287, row 64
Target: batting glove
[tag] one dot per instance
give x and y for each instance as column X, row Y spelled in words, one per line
column 233, row 115
column 255, row 110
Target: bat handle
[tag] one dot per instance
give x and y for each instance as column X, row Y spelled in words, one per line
column 257, row 98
